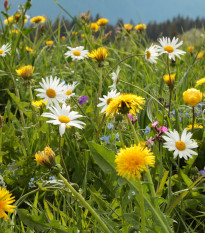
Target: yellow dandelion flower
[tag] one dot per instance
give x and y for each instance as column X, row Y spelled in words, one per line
column 63, row 38
column 9, row 20
column 169, row 80
column 38, row 19
column 38, row 103
column 131, row 161
column 128, row 27
column 5, row 201
column 25, row 72
column 82, row 35
column 102, row 21
column 74, row 33
column 200, row 82
column 14, row 31
column 189, row 127
column 140, row 27
column 45, row 158
column 124, row 104
column 200, row 55
column 49, row 42
column 98, row 54
column 94, row 27
column 192, row 97
column 29, row 49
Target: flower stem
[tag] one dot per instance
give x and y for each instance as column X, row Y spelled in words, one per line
column 193, row 119
column 63, row 162
column 136, row 139
column 143, row 223
column 100, row 84
column 85, row 204
column 170, row 87
column 100, row 127
column 149, row 178
column 20, row 111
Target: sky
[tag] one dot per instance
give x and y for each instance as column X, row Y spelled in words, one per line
column 140, row 11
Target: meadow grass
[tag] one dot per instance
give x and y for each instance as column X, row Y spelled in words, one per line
column 72, row 181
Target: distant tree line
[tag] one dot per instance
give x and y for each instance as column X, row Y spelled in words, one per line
column 154, row 30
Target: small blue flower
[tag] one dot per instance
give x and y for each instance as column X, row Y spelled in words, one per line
column 105, row 139
column 31, row 183
column 52, row 178
column 110, row 126
column 147, row 130
column 117, row 137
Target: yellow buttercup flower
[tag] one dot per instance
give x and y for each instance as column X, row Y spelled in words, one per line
column 38, row 103
column 189, row 127
column 140, row 27
column 98, row 54
column 49, row 42
column 63, row 38
column 94, row 27
column 74, row 33
column 200, row 55
column 5, row 203
column 131, row 161
column 46, row 158
column 29, row 49
column 124, row 104
column 169, row 80
column 191, row 49
column 82, row 35
column 25, row 72
column 200, row 82
column 128, row 27
column 192, row 97
column 102, row 21
column 38, row 19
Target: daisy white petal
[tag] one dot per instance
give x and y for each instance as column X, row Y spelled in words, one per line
column 77, row 53
column 151, row 54
column 69, row 89
column 170, row 47
column 114, row 77
column 63, row 117
column 180, row 145
column 107, row 98
column 52, row 91
column 5, row 49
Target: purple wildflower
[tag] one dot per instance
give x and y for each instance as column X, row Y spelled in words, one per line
column 82, row 99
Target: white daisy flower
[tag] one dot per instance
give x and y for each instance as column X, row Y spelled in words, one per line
column 77, row 53
column 63, row 117
column 69, row 90
column 107, row 98
column 181, row 146
column 115, row 78
column 170, row 47
column 151, row 54
column 52, row 91
column 5, row 49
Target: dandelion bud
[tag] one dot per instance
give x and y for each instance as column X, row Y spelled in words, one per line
column 5, row 4
column 107, row 35
column 169, row 79
column 192, row 97
column 46, row 158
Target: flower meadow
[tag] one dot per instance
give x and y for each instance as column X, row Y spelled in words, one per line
column 99, row 135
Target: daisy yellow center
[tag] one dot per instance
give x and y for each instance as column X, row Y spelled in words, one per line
column 109, row 100
column 169, row 48
column 68, row 92
column 1, row 51
column 51, row 93
column 64, row 119
column 76, row 53
column 180, row 145
column 148, row 54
